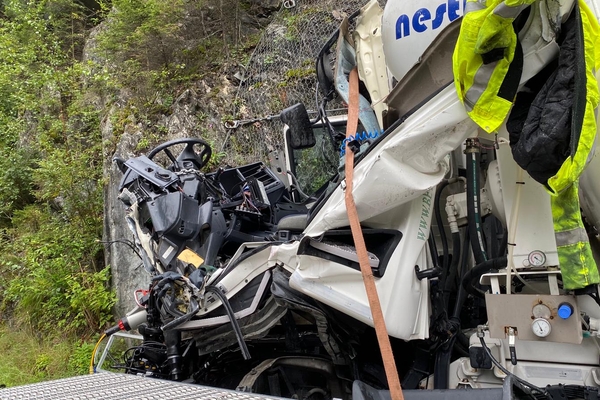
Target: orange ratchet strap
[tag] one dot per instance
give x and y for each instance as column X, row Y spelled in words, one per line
column 361, row 250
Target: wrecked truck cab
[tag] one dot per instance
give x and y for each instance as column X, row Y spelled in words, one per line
column 259, row 287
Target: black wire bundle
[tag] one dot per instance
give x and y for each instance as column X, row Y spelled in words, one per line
column 531, row 387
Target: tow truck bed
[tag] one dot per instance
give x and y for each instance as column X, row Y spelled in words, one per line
column 108, row 385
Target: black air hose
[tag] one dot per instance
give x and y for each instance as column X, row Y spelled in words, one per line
column 184, row 318
column 174, row 359
column 473, row 201
column 462, row 340
column 449, row 276
column 442, row 365
column 439, row 222
column 503, row 244
column 234, row 323
column 433, row 251
column 462, row 294
column 443, row 356
column 472, row 277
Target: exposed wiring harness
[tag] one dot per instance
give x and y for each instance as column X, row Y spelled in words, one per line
column 167, row 292
column 138, row 298
column 488, row 352
column 151, row 352
column 123, row 241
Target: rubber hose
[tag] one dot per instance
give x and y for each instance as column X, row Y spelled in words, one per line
column 174, row 359
column 450, row 276
column 184, row 318
column 234, row 323
column 433, row 250
column 442, row 365
column 469, row 281
column 462, row 294
column 463, row 340
column 443, row 357
column 474, row 207
column 503, row 244
column 440, row 224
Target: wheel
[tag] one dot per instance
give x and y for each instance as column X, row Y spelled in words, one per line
column 195, row 155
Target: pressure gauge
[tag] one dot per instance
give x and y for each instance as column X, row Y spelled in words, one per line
column 541, row 311
column 541, row 327
column 536, row 258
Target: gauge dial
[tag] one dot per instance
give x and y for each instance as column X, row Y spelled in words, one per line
column 541, row 311
column 541, row 327
column 536, row 258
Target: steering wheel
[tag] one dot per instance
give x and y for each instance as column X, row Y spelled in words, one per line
column 189, row 157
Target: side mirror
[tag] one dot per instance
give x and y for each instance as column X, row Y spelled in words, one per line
column 300, row 133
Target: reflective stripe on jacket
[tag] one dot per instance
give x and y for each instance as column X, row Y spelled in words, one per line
column 553, row 130
column 583, row 127
column 485, row 76
column 577, row 265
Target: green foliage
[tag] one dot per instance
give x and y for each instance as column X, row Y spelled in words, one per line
column 56, row 268
column 317, row 164
column 53, row 280
column 15, row 181
column 137, row 27
column 27, row 358
column 79, row 360
column 295, row 21
column 295, row 74
column 51, row 266
column 155, row 49
column 143, row 37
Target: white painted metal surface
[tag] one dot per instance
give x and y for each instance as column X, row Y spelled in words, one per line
column 371, row 57
column 409, row 27
column 534, row 227
column 392, row 189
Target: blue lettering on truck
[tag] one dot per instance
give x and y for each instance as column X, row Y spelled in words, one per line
column 425, row 19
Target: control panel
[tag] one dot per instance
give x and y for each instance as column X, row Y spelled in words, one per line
column 553, row 318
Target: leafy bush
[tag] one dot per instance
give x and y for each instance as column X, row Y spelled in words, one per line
column 79, row 360
column 53, row 281
column 51, row 266
column 57, row 280
column 28, row 358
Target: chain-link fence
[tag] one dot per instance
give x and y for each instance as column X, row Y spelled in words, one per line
column 282, row 72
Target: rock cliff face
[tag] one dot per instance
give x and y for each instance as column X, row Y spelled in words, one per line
column 197, row 110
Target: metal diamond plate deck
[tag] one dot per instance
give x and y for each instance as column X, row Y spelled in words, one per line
column 107, row 385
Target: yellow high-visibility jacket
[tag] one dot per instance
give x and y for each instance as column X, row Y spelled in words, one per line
column 485, row 75
column 552, row 136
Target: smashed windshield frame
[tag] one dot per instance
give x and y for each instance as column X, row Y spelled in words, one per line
column 314, row 168
column 420, row 84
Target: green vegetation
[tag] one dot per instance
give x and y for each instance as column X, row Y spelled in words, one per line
column 50, row 181
column 54, row 290
column 295, row 74
column 317, row 164
column 26, row 358
column 54, row 287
